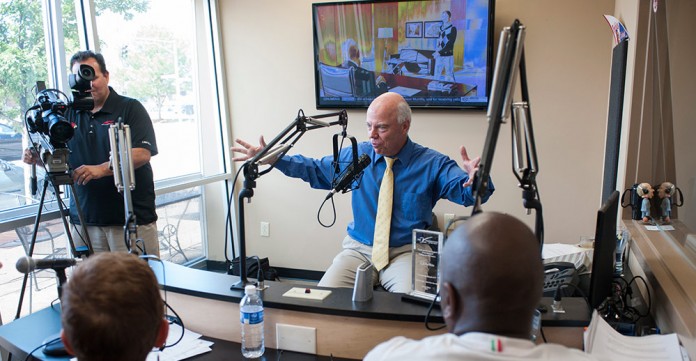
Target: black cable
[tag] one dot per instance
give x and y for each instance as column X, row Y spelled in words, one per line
column 427, row 315
column 228, row 221
column 333, row 206
column 647, row 289
column 166, row 304
column 557, row 293
column 180, row 323
column 541, row 331
column 49, row 342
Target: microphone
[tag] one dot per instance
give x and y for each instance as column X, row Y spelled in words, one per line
column 27, row 264
column 315, row 121
column 349, row 175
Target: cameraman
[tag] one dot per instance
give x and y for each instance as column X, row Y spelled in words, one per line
column 102, row 205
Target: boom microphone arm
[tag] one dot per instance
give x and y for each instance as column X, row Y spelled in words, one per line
column 509, row 60
column 268, row 156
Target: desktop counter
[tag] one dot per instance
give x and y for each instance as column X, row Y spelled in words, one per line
column 344, row 328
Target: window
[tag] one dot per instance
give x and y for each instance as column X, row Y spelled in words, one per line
column 160, row 52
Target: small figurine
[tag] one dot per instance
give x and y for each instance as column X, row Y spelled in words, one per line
column 645, row 191
column 665, row 193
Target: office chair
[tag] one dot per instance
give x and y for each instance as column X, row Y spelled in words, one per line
column 336, row 80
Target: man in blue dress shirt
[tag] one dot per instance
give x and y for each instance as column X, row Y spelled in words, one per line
column 422, row 176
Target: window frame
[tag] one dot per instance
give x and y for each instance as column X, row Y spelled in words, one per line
column 207, row 22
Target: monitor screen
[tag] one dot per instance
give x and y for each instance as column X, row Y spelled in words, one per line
column 604, row 251
column 436, row 54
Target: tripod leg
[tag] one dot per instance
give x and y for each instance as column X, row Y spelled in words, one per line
column 85, row 236
column 31, row 248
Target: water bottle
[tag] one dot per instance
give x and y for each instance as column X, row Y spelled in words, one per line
column 251, row 318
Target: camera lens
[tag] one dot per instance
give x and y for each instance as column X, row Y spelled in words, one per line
column 87, row 72
column 59, row 129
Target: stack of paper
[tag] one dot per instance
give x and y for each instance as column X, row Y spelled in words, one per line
column 605, row 343
column 189, row 346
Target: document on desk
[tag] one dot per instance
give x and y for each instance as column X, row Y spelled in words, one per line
column 604, row 342
column 189, row 346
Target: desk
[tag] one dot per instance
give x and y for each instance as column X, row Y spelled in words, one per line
column 25, row 334
column 419, row 86
column 344, row 328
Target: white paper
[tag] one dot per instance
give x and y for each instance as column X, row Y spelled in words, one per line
column 603, row 341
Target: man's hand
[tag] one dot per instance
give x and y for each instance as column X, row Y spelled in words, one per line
column 247, row 151
column 30, row 156
column 85, row 173
column 470, row 166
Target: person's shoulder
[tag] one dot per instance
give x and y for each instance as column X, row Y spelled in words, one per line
column 423, row 151
column 556, row 351
column 395, row 348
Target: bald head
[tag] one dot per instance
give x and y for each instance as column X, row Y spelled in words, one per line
column 388, row 122
column 492, row 276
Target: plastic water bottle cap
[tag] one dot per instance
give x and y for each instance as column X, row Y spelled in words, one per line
column 249, row 289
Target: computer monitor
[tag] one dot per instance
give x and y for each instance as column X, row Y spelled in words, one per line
column 604, row 251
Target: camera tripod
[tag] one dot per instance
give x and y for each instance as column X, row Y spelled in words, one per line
column 55, row 180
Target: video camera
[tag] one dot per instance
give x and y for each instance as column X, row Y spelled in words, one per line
column 47, row 116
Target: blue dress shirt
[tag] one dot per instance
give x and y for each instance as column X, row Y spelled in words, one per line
column 422, row 176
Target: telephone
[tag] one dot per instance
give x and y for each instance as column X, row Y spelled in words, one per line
column 556, row 273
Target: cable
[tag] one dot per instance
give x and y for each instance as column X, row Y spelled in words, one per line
column 50, row 342
column 427, row 315
column 541, row 331
column 647, row 289
column 228, row 222
column 176, row 319
column 333, row 206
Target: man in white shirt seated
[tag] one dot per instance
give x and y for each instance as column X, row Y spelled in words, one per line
column 492, row 279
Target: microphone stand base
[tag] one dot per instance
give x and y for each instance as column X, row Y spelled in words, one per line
column 241, row 284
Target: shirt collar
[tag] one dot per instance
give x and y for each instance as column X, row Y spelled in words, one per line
column 405, row 154
column 110, row 103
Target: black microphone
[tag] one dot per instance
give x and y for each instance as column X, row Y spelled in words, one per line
column 27, row 264
column 349, row 175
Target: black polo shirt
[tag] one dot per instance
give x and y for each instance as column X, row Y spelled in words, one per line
column 101, row 203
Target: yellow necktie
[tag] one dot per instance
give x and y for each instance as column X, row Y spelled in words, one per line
column 380, row 243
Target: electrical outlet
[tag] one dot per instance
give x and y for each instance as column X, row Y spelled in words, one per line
column 448, row 218
column 265, row 229
column 296, row 338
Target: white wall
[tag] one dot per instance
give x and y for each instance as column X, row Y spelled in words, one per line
column 267, row 46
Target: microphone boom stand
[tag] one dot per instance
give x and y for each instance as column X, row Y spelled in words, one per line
column 289, row 136
column 510, row 57
column 124, row 179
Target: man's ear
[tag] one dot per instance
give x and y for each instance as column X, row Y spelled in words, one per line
column 448, row 303
column 406, row 126
column 162, row 334
column 66, row 343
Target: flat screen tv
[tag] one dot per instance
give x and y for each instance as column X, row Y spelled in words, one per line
column 436, row 53
column 604, row 251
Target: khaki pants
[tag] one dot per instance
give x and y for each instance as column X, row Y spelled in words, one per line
column 112, row 238
column 396, row 277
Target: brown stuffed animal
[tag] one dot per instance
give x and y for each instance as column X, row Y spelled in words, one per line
column 646, row 192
